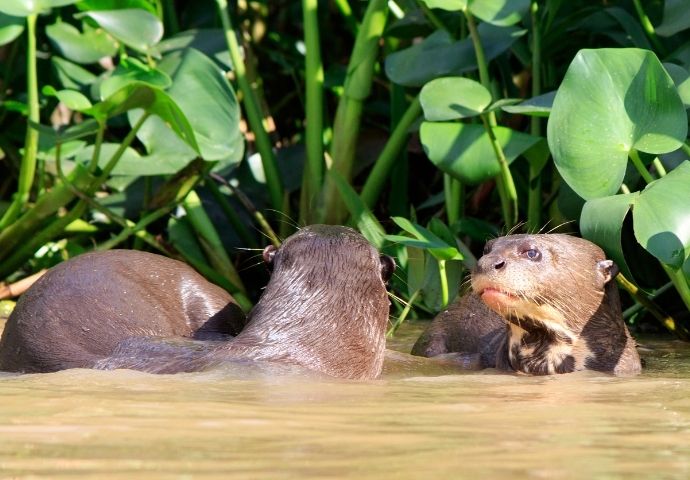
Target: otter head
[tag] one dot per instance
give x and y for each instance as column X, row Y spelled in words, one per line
column 547, row 281
column 326, row 305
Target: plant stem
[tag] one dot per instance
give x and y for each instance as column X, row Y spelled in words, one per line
column 637, row 162
column 384, row 164
column 444, row 282
column 313, row 168
column 126, row 142
column 254, row 116
column 534, row 204
column 93, row 165
column 504, row 181
column 661, row 170
column 403, row 315
column 346, row 12
column 452, row 190
column 680, row 282
column 27, row 169
column 132, row 228
column 649, row 28
column 360, row 75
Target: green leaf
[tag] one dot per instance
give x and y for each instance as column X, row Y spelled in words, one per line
column 661, row 217
column 72, row 75
column 536, row 106
column 424, row 239
column 499, row 12
column 151, row 99
column 366, row 222
column 87, row 47
column 85, row 5
column 635, row 34
column 611, row 101
column 208, row 101
column 416, row 266
column 210, row 42
column 132, row 70
column 450, row 5
column 465, row 152
column 681, row 78
column 129, row 164
column 134, row 27
column 10, row 28
column 439, row 55
column 676, row 18
column 72, row 99
column 24, row 8
column 601, row 222
column 453, row 97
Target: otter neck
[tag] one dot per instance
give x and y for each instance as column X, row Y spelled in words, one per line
column 540, row 351
column 308, row 332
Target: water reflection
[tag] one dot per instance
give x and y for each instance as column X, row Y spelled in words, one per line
column 418, row 421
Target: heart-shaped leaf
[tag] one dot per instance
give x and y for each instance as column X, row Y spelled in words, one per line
column 661, row 217
column 71, row 98
column 465, row 151
column 610, row 102
column 499, row 12
column 439, row 55
column 132, row 70
column 87, row 47
column 453, row 97
column 134, row 27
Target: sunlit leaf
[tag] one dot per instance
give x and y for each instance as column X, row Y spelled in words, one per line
column 449, row 98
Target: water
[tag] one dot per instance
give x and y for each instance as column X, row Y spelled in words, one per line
column 415, row 422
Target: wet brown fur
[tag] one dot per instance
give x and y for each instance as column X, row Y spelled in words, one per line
column 325, row 309
column 559, row 313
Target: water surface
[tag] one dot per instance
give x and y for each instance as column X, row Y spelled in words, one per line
column 415, row 422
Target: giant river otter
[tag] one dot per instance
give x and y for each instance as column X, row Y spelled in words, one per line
column 325, row 309
column 540, row 304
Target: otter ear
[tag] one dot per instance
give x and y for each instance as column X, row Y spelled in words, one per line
column 607, row 270
column 387, row 267
column 269, row 254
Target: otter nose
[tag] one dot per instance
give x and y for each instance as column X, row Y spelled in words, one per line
column 499, row 264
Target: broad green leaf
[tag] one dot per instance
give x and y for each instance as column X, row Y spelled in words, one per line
column 87, row 47
column 439, row 55
column 681, row 78
column 49, row 136
column 210, row 42
column 151, row 99
column 453, row 97
column 365, row 221
column 610, row 102
column 538, row 155
column 24, row 8
column 134, row 27
column 536, row 106
column 499, row 12
column 675, row 19
column 431, row 292
column 72, row 75
column 661, row 217
column 131, row 163
column 601, row 222
column 72, row 99
column 465, row 152
column 208, row 101
column 416, row 266
column 10, row 28
column 450, row 5
column 132, row 70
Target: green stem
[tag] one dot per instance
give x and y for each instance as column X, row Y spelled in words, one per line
column 27, row 169
column 452, row 190
column 132, row 228
column 444, row 282
column 649, row 28
column 637, row 162
column 126, row 142
column 384, row 164
column 504, row 181
column 254, row 116
column 346, row 11
column 97, row 146
column 680, row 282
column 313, row 171
column 534, row 203
column 661, row 170
column 358, row 81
column 170, row 16
column 431, row 16
column 403, row 315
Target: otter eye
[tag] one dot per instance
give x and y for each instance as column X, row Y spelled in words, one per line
column 532, row 254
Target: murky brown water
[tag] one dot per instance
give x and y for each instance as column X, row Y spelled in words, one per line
column 415, row 422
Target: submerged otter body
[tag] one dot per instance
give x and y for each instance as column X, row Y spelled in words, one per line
column 540, row 304
column 80, row 310
column 325, row 309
